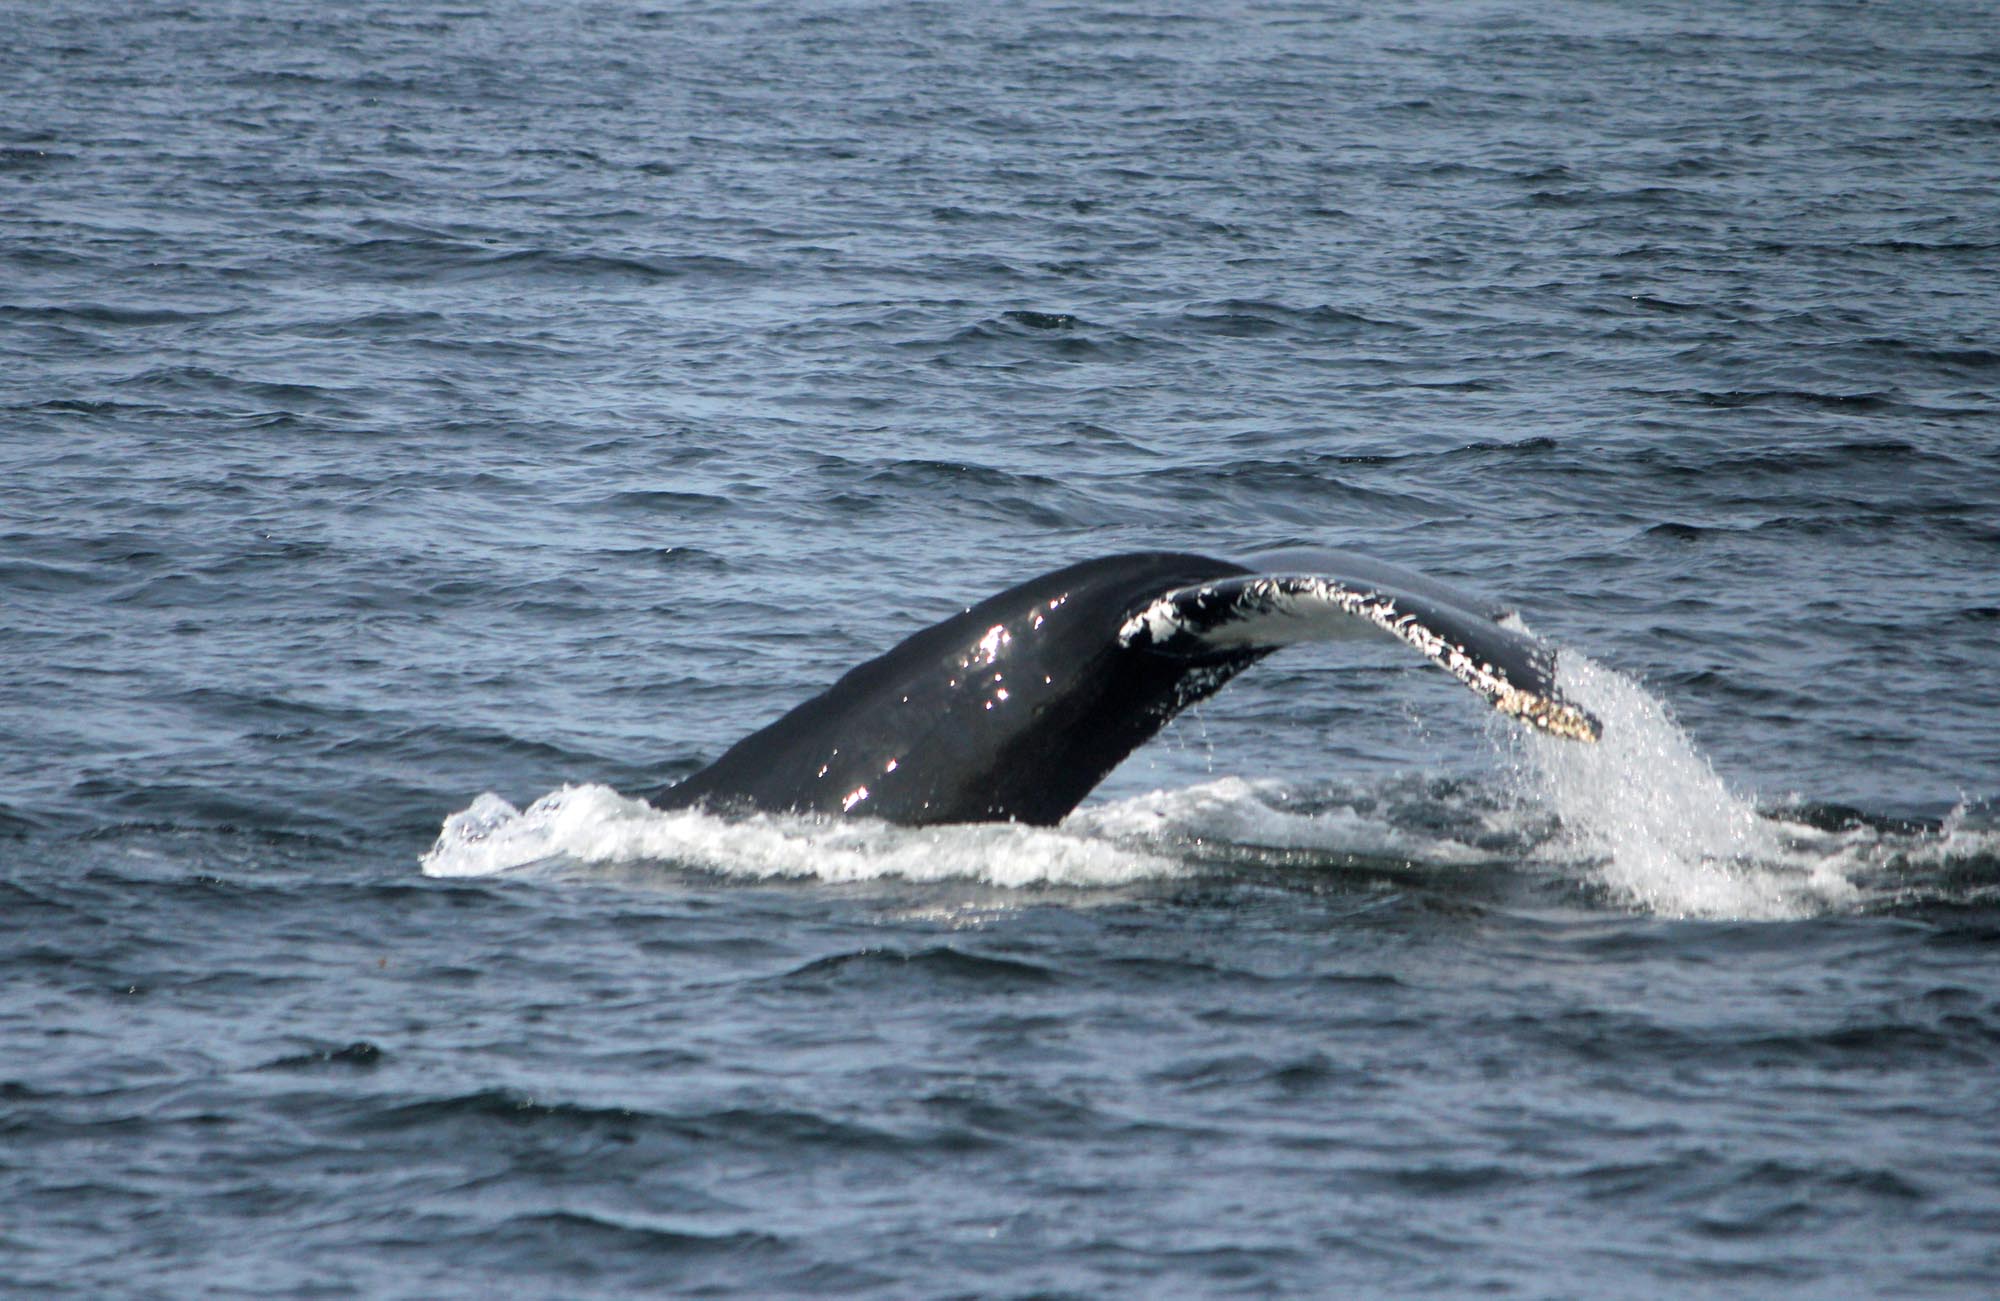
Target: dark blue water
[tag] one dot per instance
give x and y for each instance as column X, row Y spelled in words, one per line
column 405, row 403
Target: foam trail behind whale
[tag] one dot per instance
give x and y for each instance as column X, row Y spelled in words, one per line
column 594, row 827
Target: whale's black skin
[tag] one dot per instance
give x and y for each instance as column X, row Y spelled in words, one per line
column 1016, row 708
column 982, row 726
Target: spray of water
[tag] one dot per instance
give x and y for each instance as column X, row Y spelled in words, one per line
column 1146, row 837
column 596, row 826
column 1662, row 832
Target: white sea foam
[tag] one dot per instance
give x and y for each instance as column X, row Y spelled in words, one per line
column 595, row 825
column 1145, row 837
column 1663, row 831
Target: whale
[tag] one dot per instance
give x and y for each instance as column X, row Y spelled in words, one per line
column 1015, row 708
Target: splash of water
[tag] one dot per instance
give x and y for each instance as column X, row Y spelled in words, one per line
column 1659, row 828
column 596, row 826
column 1145, row 837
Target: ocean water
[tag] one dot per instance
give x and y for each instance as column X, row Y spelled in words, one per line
column 425, row 426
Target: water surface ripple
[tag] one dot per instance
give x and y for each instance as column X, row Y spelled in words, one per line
column 425, row 425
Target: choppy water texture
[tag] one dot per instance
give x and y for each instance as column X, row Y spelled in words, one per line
column 458, row 417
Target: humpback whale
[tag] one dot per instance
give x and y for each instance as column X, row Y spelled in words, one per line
column 1014, row 709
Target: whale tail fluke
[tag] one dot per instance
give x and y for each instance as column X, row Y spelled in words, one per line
column 1511, row 670
column 1015, row 708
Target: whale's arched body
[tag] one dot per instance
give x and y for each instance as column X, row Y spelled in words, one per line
column 1014, row 709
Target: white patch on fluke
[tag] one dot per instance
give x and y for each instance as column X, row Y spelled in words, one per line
column 1283, row 609
column 1159, row 623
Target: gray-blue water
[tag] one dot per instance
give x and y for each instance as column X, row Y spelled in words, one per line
column 404, row 403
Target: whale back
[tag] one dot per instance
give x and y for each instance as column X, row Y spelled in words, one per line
column 1011, row 710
